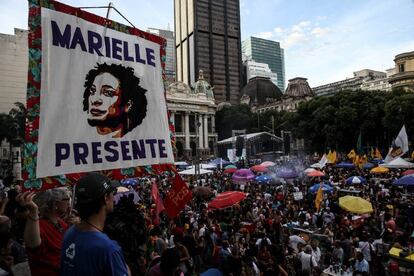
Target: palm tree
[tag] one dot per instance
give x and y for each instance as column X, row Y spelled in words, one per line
column 18, row 116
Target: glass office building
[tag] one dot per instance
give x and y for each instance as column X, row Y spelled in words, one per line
column 269, row 52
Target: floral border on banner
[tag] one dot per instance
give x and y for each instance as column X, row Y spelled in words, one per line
column 33, row 98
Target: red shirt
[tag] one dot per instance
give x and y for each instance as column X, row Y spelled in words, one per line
column 45, row 259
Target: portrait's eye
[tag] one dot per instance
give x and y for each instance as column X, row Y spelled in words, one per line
column 92, row 89
column 108, row 92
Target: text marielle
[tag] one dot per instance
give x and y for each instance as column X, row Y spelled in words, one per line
column 102, row 46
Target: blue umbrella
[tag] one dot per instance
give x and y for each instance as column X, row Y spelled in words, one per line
column 407, row 181
column 368, row 166
column 355, row 180
column 345, row 165
column 263, row 179
column 129, row 182
column 325, row 188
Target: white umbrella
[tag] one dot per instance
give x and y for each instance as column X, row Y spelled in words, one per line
column 398, row 163
column 317, row 165
column 192, row 172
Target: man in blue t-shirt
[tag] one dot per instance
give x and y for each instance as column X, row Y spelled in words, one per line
column 86, row 250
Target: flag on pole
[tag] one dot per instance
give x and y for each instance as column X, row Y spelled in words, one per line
column 372, row 153
column 378, row 154
column 156, row 199
column 334, row 157
column 399, row 146
column 351, row 155
column 359, row 143
column 323, row 161
column 319, row 197
column 177, row 197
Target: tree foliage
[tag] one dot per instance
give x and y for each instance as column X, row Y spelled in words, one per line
column 333, row 122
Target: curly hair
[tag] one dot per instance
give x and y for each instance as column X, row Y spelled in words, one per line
column 131, row 92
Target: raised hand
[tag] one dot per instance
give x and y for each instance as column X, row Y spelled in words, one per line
column 26, row 200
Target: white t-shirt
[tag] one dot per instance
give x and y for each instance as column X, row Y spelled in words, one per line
column 306, row 260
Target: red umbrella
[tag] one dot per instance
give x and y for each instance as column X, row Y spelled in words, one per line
column 259, row 168
column 226, row 199
column 315, row 174
column 408, row 172
column 230, row 170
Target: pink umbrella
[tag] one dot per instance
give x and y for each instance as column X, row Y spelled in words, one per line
column 267, row 164
column 226, row 199
column 315, row 174
column 243, row 175
column 229, row 170
column 408, row 172
column 259, row 168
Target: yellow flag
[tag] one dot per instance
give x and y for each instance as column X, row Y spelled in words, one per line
column 372, row 153
column 356, row 160
column 362, row 160
column 412, row 155
column 319, row 197
column 329, row 157
column 351, row 155
column 334, row 156
column 378, row 154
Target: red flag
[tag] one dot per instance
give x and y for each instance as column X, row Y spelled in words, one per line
column 177, row 197
column 159, row 206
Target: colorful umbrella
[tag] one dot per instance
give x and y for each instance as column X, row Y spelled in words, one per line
column 368, row 165
column 230, row 170
column 268, row 164
column 379, row 170
column 230, row 167
column 345, row 165
column 226, row 199
column 121, row 192
column 259, row 168
column 355, row 204
column 315, row 174
column 308, row 170
column 202, row 191
column 355, row 180
column 287, row 173
column 408, row 172
column 263, row 179
column 325, row 188
column 129, row 182
column 243, row 175
column 407, row 181
column 220, row 161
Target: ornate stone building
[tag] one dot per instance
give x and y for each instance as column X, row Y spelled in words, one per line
column 404, row 67
column 262, row 96
column 192, row 112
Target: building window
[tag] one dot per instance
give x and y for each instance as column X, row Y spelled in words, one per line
column 401, row 67
column 4, row 152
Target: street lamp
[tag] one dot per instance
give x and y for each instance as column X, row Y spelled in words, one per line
column 197, row 125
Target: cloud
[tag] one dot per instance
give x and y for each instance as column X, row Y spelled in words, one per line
column 278, row 30
column 295, row 34
column 300, row 26
column 319, row 32
column 265, row 35
column 293, row 39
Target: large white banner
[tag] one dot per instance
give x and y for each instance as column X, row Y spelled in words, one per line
column 102, row 100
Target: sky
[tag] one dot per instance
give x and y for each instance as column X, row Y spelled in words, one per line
column 324, row 40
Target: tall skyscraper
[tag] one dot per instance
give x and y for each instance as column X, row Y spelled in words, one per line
column 269, row 52
column 169, row 53
column 207, row 37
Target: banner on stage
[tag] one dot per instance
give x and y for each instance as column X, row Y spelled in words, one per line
column 96, row 94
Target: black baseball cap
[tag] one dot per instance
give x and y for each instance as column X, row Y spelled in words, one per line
column 93, row 186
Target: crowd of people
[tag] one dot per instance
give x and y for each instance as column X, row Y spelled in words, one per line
column 275, row 230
